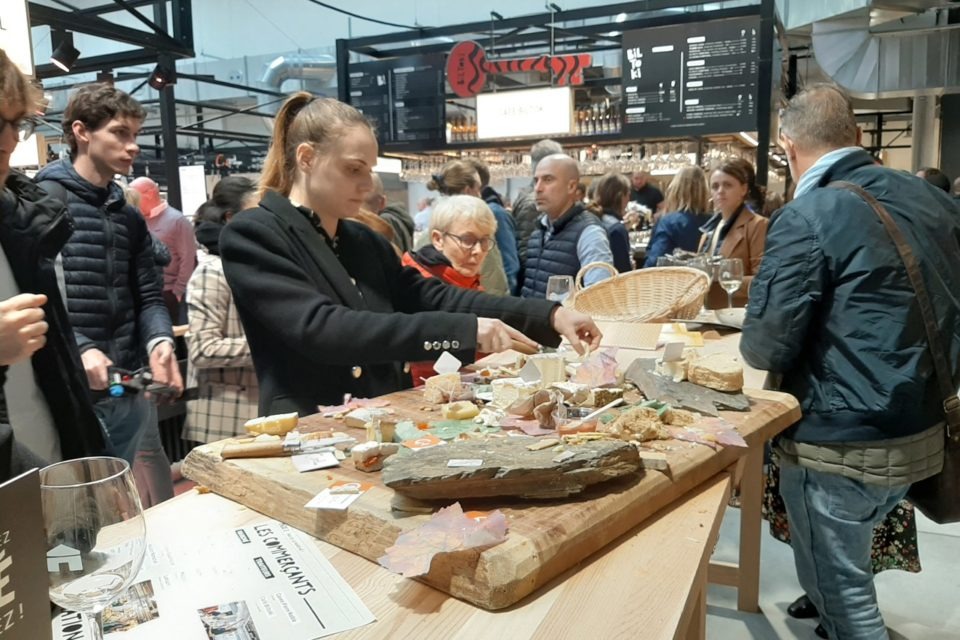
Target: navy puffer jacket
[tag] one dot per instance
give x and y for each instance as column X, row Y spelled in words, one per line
column 114, row 295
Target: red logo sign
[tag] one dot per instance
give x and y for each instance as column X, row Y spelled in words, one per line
column 468, row 67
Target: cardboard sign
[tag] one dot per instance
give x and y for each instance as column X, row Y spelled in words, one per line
column 24, row 594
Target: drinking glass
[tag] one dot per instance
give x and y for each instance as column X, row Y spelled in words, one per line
column 559, row 288
column 95, row 533
column 704, row 263
column 730, row 275
column 666, row 261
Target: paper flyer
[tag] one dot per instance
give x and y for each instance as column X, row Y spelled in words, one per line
column 264, row 580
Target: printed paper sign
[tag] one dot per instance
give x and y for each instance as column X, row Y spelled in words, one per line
column 24, row 596
column 447, row 363
column 314, row 461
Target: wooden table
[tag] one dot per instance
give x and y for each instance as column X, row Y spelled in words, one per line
column 651, row 579
column 546, row 538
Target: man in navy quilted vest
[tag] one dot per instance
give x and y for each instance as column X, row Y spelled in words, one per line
column 114, row 293
column 567, row 235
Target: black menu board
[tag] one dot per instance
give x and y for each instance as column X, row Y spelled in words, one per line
column 403, row 96
column 691, row 79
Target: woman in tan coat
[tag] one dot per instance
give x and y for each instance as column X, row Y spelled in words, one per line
column 734, row 231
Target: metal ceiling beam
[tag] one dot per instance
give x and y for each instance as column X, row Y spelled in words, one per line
column 112, row 8
column 99, row 63
column 212, row 133
column 100, row 28
column 603, row 11
column 216, row 107
column 229, row 85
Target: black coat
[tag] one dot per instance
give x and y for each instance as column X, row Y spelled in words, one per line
column 320, row 327
column 33, row 229
column 114, row 293
column 833, row 310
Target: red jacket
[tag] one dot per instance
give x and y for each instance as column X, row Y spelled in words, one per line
column 433, row 264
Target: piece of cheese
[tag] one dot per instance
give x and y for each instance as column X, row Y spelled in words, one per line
column 369, row 456
column 276, row 425
column 462, row 410
column 573, row 392
column 552, row 368
column 442, row 388
column 676, row 370
column 506, row 391
column 603, row 396
column 719, row 371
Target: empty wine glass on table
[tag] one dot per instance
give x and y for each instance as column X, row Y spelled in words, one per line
column 559, row 288
column 730, row 276
column 704, row 263
column 95, row 534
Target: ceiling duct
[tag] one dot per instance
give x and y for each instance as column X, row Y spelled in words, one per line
column 320, row 69
column 880, row 48
column 870, row 63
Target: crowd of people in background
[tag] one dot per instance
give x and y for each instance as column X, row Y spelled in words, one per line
column 312, row 284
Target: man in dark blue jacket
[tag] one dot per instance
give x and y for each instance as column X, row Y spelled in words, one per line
column 113, row 290
column 833, row 311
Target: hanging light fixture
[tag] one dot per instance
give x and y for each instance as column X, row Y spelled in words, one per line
column 64, row 53
column 162, row 76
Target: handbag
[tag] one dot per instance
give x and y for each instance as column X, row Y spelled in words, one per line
column 937, row 497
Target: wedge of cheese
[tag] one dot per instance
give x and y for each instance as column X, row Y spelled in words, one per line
column 276, row 425
column 442, row 388
column 719, row 371
column 506, row 391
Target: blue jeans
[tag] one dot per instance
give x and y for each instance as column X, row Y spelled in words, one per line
column 831, row 528
column 126, row 418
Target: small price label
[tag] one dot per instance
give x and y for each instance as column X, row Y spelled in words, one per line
column 339, row 495
column 464, row 462
column 425, row 442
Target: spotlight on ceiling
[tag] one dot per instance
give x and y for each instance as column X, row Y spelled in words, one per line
column 106, row 77
column 162, row 76
column 64, row 53
column 621, row 17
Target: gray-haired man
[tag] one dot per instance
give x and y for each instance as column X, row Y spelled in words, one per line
column 832, row 309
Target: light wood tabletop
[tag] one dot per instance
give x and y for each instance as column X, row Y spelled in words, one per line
column 649, row 583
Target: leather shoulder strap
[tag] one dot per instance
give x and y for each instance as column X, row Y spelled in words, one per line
column 948, row 388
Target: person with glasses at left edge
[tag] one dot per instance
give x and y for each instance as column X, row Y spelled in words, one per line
column 44, row 401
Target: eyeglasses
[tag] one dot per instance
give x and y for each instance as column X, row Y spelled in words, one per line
column 23, row 126
column 467, row 243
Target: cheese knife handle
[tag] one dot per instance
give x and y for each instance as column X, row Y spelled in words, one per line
column 253, row 450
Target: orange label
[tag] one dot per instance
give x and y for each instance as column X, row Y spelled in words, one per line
column 479, row 516
column 425, row 442
column 344, row 486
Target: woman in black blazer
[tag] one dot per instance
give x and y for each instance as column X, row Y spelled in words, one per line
column 325, row 303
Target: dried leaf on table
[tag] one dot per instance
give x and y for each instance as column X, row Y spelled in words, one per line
column 713, row 432
column 448, row 530
column 355, row 403
column 598, row 370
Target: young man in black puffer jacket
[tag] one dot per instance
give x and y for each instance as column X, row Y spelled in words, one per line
column 114, row 296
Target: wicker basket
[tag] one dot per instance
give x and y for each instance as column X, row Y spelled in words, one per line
column 645, row 295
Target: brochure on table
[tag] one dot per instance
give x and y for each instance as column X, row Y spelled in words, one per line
column 24, row 599
column 263, row 580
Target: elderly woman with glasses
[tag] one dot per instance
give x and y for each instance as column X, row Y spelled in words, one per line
column 462, row 230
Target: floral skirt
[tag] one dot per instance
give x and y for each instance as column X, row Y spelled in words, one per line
column 894, row 539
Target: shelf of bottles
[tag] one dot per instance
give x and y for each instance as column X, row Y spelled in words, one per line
column 656, row 158
column 597, row 118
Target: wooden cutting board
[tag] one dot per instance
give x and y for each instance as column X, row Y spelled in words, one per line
column 545, row 537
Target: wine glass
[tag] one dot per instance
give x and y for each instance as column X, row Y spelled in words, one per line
column 704, row 263
column 559, row 288
column 95, row 533
column 730, row 275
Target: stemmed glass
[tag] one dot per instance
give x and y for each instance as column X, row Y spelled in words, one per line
column 559, row 288
column 704, row 263
column 730, row 275
column 95, row 533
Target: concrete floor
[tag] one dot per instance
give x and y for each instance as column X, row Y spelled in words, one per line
column 916, row 606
